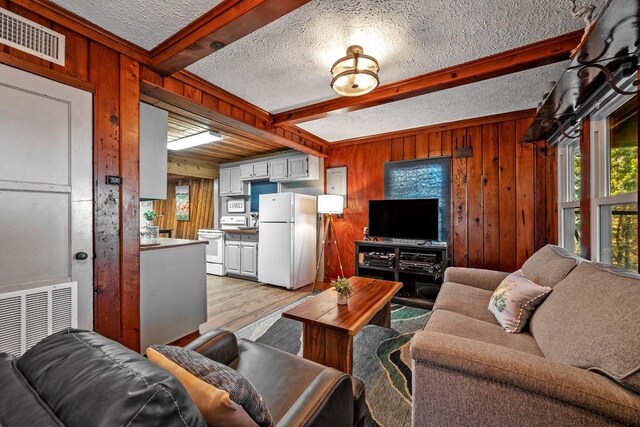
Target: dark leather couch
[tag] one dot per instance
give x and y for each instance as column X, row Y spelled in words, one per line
column 79, row 378
column 297, row 392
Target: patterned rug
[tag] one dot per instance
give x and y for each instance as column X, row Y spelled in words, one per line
column 381, row 358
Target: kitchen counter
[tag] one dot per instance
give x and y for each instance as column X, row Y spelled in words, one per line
column 173, row 290
column 246, row 231
column 172, row 243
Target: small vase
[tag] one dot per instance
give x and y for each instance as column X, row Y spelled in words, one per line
column 342, row 299
column 149, row 235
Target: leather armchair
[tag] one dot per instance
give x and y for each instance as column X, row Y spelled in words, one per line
column 297, row 392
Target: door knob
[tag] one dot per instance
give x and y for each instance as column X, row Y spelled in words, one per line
column 82, row 255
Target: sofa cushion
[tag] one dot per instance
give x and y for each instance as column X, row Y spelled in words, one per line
column 446, row 322
column 215, row 404
column 591, row 320
column 549, row 265
column 514, row 301
column 293, row 387
column 467, row 300
column 20, row 405
column 89, row 380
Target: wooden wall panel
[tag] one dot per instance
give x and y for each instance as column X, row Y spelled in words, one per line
column 365, row 181
column 525, row 173
column 475, row 218
column 507, row 186
column 459, row 201
column 105, row 74
column 493, row 193
column 130, row 202
column 201, row 208
column 491, row 196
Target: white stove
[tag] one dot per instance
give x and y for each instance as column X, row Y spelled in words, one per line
column 232, row 222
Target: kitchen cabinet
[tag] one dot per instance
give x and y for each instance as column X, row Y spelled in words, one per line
column 231, row 183
column 249, row 259
column 254, row 171
column 232, row 261
column 153, row 152
column 241, row 255
column 278, row 169
column 295, row 168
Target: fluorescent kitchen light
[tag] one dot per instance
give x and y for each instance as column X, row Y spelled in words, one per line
column 194, row 140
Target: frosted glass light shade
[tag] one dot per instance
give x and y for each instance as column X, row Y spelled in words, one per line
column 194, row 140
column 355, row 74
column 330, row 204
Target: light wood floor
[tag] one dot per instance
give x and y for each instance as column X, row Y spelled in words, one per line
column 235, row 303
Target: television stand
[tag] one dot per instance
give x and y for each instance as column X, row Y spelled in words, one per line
column 420, row 267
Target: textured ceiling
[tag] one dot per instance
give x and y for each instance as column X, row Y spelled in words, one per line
column 146, row 23
column 504, row 94
column 286, row 63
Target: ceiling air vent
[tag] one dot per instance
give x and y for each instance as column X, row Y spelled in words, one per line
column 27, row 36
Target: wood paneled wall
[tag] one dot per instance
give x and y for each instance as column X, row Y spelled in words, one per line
column 503, row 200
column 114, row 79
column 200, row 208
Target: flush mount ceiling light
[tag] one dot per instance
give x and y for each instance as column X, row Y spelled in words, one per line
column 194, row 140
column 355, row 74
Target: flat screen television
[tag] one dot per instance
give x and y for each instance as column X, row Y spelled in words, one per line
column 415, row 219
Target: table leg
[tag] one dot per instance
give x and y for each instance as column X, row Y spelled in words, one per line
column 328, row 347
column 383, row 317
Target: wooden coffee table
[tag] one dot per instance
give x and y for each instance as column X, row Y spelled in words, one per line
column 328, row 328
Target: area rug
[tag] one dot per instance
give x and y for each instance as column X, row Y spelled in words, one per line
column 381, row 358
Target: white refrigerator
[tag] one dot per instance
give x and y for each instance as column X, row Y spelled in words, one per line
column 288, row 238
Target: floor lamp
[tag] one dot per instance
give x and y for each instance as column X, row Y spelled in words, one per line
column 329, row 205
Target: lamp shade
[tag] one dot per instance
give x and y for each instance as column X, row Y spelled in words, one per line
column 330, row 204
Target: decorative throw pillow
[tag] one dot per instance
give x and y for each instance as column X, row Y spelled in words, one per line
column 514, row 300
column 223, row 395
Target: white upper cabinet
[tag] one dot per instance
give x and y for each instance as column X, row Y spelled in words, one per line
column 153, row 152
column 278, row 169
column 231, row 183
column 295, row 168
column 254, row 171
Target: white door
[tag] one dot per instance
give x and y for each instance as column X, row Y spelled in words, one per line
column 246, row 172
column 274, row 263
column 46, row 190
column 277, row 207
column 225, row 181
column 278, row 168
column 232, row 257
column 249, row 262
column 299, row 167
column 236, row 181
column 261, row 170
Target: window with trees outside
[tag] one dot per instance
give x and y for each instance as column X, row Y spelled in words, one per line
column 614, row 205
column 569, row 192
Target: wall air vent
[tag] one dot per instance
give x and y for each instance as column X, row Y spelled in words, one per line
column 32, row 38
column 28, row 316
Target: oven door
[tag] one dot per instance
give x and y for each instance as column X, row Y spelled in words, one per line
column 215, row 248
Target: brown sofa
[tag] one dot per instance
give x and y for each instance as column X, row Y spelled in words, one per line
column 577, row 362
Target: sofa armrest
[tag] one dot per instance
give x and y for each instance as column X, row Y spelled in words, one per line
column 327, row 401
column 537, row 379
column 476, row 277
column 218, row 345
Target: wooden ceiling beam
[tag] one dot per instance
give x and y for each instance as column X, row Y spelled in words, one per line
column 227, row 22
column 230, row 124
column 523, row 58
